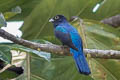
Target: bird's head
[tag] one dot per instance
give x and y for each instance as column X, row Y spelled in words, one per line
column 58, row 19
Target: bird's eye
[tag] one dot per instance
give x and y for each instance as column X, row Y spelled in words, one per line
column 56, row 17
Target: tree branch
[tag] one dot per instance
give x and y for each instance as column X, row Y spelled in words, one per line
column 112, row 21
column 108, row 54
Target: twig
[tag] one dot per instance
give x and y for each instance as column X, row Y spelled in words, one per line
column 113, row 21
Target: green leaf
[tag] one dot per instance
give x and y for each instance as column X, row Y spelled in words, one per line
column 100, row 72
column 5, row 54
column 45, row 10
column 112, row 66
column 13, row 12
column 81, row 8
column 2, row 20
column 7, row 75
column 56, row 69
column 100, row 36
column 61, row 67
column 25, row 5
column 45, row 55
column 36, row 14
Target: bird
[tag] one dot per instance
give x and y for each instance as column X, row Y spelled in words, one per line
column 70, row 37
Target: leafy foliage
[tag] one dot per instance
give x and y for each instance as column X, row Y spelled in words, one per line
column 61, row 67
column 2, row 20
column 5, row 54
column 36, row 14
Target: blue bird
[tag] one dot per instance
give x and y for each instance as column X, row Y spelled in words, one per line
column 69, row 36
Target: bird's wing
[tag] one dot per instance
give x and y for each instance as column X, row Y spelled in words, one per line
column 63, row 35
column 76, row 40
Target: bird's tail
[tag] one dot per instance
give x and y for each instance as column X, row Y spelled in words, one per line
column 81, row 62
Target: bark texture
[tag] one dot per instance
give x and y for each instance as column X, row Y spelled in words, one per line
column 56, row 49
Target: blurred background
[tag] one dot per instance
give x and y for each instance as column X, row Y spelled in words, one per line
column 98, row 22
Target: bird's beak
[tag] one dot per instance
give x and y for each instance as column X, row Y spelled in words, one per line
column 51, row 20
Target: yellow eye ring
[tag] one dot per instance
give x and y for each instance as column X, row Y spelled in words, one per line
column 56, row 17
